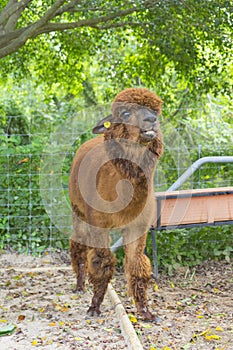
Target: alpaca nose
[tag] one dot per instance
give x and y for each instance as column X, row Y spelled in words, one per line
column 150, row 118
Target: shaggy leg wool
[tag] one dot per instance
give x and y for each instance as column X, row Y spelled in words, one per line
column 101, row 266
column 78, row 254
column 138, row 272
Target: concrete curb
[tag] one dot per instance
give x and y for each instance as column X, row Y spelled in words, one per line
column 127, row 328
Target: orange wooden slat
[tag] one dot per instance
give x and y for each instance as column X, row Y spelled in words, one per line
column 196, row 206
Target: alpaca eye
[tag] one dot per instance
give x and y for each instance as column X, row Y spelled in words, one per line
column 125, row 114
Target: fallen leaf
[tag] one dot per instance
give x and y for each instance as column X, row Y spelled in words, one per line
column 64, row 309
column 212, row 337
column 100, row 321
column 25, row 160
column 186, row 346
column 21, row 317
column 207, row 331
column 145, row 325
column 132, row 318
column 34, row 343
column 52, row 324
column 18, row 277
column 118, row 330
column 108, row 329
column 216, row 290
column 219, row 329
column 6, row 330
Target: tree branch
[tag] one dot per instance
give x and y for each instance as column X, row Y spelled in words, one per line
column 71, row 8
column 91, row 22
column 11, row 8
column 12, row 41
column 49, row 14
column 7, row 37
column 30, row 31
column 13, row 19
column 118, row 25
column 67, row 7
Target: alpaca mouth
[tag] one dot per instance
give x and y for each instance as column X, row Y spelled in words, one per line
column 149, row 134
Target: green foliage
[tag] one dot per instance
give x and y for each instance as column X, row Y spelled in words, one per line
column 19, row 195
column 25, row 226
column 194, row 37
column 190, row 140
column 12, row 122
column 190, row 43
column 188, row 247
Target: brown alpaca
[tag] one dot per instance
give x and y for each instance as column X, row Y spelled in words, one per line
column 111, row 187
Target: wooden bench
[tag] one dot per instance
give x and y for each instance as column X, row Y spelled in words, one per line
column 190, row 208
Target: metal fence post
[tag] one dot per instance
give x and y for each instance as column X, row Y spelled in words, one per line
column 154, row 274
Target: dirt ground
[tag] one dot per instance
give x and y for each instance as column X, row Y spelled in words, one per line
column 36, row 296
column 194, row 308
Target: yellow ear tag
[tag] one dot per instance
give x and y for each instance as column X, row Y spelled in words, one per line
column 107, row 124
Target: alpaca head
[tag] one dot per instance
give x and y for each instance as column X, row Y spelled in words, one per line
column 134, row 116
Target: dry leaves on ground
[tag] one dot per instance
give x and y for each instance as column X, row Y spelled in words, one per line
column 195, row 308
column 47, row 314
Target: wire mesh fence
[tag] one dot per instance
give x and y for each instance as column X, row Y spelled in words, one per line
column 35, row 161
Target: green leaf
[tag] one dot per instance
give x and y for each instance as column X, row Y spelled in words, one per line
column 6, row 330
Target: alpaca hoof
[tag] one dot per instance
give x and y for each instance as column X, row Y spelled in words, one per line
column 94, row 311
column 144, row 311
column 79, row 290
column 148, row 316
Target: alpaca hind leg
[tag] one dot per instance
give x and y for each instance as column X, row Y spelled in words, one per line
column 138, row 272
column 101, row 266
column 78, row 254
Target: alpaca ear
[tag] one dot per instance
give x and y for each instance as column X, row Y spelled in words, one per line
column 103, row 125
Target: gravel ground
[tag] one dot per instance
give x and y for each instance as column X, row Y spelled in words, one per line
column 37, row 298
column 195, row 308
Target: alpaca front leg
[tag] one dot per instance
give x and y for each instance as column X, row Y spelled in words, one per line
column 101, row 266
column 78, row 254
column 138, row 272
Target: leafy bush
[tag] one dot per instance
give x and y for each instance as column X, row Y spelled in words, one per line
column 188, row 247
column 25, row 225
